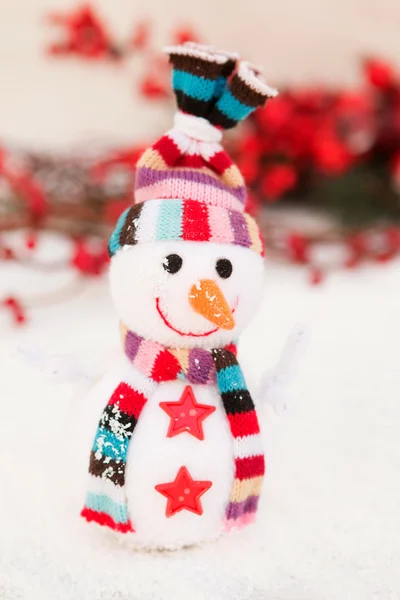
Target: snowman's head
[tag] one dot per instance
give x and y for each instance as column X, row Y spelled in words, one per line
column 186, row 294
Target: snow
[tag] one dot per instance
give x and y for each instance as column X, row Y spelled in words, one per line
column 329, row 526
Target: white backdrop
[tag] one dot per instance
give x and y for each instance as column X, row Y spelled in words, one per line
column 59, row 103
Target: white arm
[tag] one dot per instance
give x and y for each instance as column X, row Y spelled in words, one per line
column 60, row 368
column 275, row 383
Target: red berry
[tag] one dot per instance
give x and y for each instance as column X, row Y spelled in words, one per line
column 7, row 253
column 384, row 257
column 379, row 74
column 20, row 318
column 352, row 262
column 276, row 114
column 298, row 248
column 153, row 88
column 316, row 276
column 31, row 241
column 141, row 35
column 185, row 34
column 331, row 155
column 16, row 309
column 10, row 302
column 278, row 180
column 251, row 144
column 249, row 168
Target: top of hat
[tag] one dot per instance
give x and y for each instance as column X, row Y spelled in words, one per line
column 215, row 84
column 214, row 91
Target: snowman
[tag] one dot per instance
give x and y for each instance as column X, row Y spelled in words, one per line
column 171, row 435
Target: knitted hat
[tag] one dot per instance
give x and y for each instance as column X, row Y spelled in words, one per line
column 187, row 187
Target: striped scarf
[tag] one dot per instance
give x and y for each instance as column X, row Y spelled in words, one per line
column 106, row 501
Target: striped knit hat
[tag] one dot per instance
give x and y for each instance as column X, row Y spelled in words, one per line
column 187, row 187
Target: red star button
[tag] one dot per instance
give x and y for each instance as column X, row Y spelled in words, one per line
column 183, row 493
column 187, row 415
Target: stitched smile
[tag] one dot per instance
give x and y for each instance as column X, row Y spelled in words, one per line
column 168, row 324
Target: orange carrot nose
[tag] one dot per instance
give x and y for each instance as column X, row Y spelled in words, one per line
column 206, row 298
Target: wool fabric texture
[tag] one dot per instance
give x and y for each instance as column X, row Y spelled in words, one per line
column 106, row 501
column 186, row 185
column 175, row 219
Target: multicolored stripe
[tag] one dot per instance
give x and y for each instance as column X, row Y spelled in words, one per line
column 159, row 364
column 175, row 168
column 187, row 184
column 106, row 502
column 248, row 451
column 215, row 85
column 244, row 93
column 180, row 220
column 199, row 76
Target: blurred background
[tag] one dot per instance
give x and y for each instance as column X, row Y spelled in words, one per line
column 84, row 88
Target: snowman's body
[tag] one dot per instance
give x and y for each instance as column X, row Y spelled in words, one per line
column 158, row 460
column 154, row 458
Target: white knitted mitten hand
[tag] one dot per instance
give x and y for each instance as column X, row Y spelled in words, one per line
column 60, row 368
column 275, row 383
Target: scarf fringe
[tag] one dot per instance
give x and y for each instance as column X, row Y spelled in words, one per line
column 105, row 520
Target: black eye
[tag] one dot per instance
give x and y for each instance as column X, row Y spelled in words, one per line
column 172, row 263
column 224, row 268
